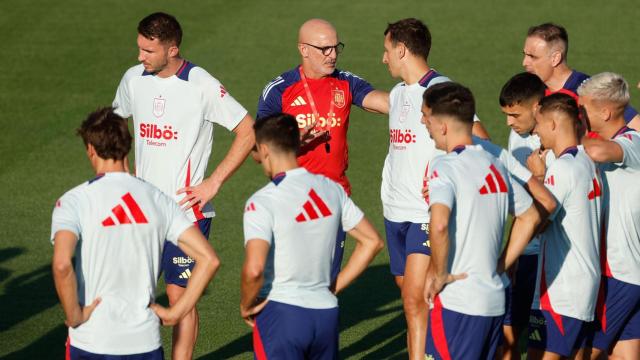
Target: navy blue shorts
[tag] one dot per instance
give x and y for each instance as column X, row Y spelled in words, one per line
column 618, row 313
column 403, row 239
column 338, row 254
column 74, row 353
column 453, row 335
column 285, row 331
column 176, row 265
column 558, row 333
column 519, row 296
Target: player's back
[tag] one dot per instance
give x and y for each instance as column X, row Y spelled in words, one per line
column 570, row 245
column 304, row 212
column 122, row 223
column 479, row 206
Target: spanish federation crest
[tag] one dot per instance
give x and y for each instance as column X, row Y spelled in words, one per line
column 338, row 98
column 158, row 107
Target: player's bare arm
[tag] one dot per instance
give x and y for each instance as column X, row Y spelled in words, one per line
column 194, row 244
column 523, row 230
column 603, row 151
column 542, row 197
column 252, row 278
column 368, row 245
column 238, row 152
column 479, row 130
column 437, row 274
column 64, row 278
column 376, row 101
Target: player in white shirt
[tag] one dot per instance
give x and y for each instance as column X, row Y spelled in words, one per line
column 407, row 44
column 470, row 196
column 174, row 105
column 617, row 152
column 568, row 266
column 116, row 226
column 518, row 100
column 289, row 231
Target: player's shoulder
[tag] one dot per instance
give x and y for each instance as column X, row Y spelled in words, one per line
column 279, row 84
column 488, row 146
column 134, row 72
column 79, row 191
column 431, row 78
column 575, row 80
column 195, row 74
column 628, row 134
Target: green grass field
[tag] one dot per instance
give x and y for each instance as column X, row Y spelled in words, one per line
column 64, row 59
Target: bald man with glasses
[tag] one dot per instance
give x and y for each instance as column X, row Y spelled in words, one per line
column 320, row 97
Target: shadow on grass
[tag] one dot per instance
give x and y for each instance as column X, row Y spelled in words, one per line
column 49, row 346
column 6, row 254
column 368, row 298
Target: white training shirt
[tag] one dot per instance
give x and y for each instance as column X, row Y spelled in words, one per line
column 173, row 124
column 478, row 190
column 410, row 150
column 121, row 223
column 622, row 210
column 568, row 264
column 520, row 147
column 299, row 215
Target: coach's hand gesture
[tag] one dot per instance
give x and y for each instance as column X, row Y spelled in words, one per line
column 82, row 315
column 200, row 194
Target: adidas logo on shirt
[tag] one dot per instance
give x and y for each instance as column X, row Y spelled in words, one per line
column 185, row 274
column 299, row 101
column 491, row 179
column 550, row 181
column 310, row 211
column 535, row 336
column 124, row 217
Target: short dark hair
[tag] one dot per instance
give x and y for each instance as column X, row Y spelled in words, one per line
column 551, row 33
column 107, row 132
column 522, row 87
column 413, row 33
column 562, row 103
column 161, row 26
column 278, row 130
column 452, row 99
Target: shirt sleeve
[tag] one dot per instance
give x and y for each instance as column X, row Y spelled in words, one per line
column 258, row 221
column 559, row 184
column 122, row 101
column 441, row 188
column 219, row 106
column 351, row 213
column 270, row 102
column 630, row 144
column 519, row 199
column 518, row 172
column 359, row 87
column 66, row 216
column 177, row 222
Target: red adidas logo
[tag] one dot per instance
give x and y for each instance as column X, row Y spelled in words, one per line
column 223, row 91
column 550, row 181
column 596, row 192
column 122, row 216
column 250, row 207
column 490, row 182
column 309, row 212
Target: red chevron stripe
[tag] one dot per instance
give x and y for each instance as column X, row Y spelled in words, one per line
column 324, row 209
column 122, row 217
column 301, row 218
column 310, row 210
column 137, row 213
column 492, row 184
column 501, row 183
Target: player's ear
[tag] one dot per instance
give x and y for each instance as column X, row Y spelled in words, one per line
column 556, row 58
column 91, row 151
column 173, row 51
column 401, row 49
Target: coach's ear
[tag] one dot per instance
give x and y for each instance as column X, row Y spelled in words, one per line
column 302, row 48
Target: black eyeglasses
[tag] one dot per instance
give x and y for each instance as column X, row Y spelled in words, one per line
column 326, row 50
